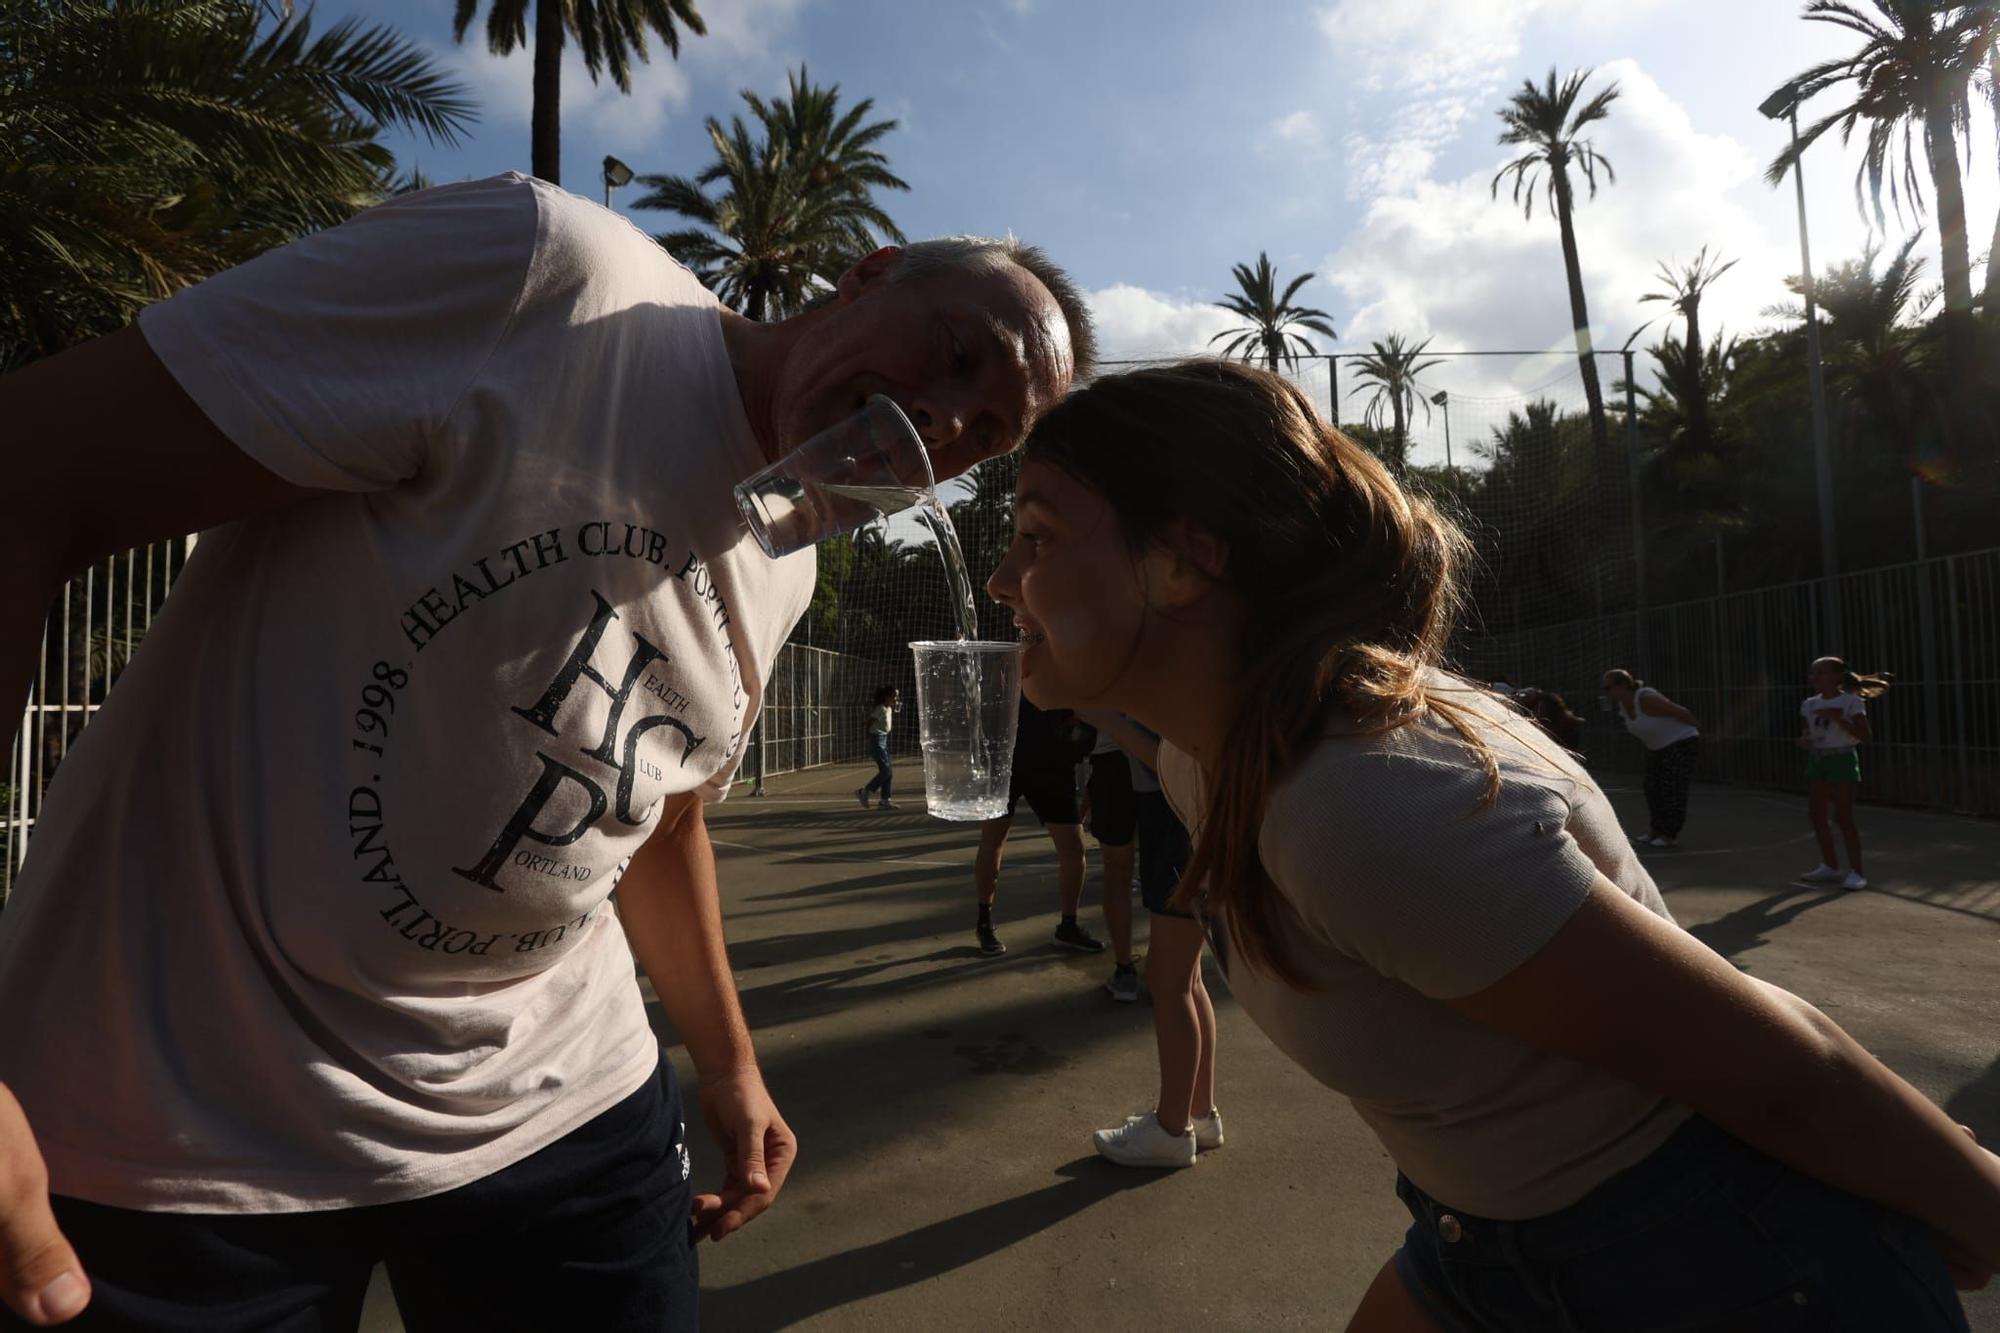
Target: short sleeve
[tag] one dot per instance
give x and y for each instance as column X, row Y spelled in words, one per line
column 1396, row 863
column 335, row 361
column 1806, row 709
column 1855, row 706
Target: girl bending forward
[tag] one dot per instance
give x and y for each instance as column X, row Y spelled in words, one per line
column 1598, row 1123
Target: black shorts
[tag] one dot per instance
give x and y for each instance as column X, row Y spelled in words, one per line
column 1050, row 793
column 591, row 1232
column 1163, row 852
column 1113, row 813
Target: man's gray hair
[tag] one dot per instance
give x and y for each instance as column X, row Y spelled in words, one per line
column 985, row 254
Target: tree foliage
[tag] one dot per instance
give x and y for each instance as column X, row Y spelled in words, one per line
column 145, row 144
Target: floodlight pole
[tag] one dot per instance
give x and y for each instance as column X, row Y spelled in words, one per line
column 1638, row 511
column 1443, row 399
column 1785, row 102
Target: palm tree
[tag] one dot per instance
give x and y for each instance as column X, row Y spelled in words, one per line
column 149, row 143
column 1683, row 292
column 1914, row 69
column 839, row 150
column 798, row 201
column 1393, row 367
column 1549, row 123
column 1271, row 317
column 611, row 33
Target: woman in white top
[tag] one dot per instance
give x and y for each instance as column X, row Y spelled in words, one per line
column 1672, row 742
column 1598, row 1123
column 881, row 720
column 1836, row 723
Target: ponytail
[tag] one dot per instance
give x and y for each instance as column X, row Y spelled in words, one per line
column 1871, row 686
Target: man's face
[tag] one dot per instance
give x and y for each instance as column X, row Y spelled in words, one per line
column 973, row 359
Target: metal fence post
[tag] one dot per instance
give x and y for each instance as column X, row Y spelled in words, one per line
column 1935, row 791
column 1638, row 511
column 757, row 755
column 1960, row 722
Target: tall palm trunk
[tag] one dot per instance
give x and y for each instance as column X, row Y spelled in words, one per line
column 1402, row 427
column 1579, row 312
column 545, row 131
column 1697, row 376
column 1993, row 252
column 1941, row 147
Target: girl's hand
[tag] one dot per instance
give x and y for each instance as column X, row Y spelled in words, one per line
column 1803, row 742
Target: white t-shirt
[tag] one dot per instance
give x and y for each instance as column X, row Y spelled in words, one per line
column 315, row 915
column 1827, row 719
column 881, row 720
column 1656, row 731
column 1407, row 893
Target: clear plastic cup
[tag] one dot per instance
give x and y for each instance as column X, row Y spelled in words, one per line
column 841, row 479
column 968, row 706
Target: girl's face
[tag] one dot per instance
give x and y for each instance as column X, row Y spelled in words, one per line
column 895, row 699
column 1076, row 590
column 1824, row 679
column 1617, row 690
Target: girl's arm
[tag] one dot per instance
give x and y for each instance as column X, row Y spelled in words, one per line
column 1667, row 1012
column 1857, row 727
column 1656, row 704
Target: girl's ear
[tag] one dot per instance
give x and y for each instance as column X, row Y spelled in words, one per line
column 1183, row 565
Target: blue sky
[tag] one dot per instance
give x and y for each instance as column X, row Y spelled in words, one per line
column 1150, row 144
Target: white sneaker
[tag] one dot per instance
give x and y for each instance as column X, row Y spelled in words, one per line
column 1141, row 1141
column 1824, row 875
column 1854, row 880
column 1207, row 1128
column 1660, row 840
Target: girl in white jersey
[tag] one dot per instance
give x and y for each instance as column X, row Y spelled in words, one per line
column 1836, row 724
column 1598, row 1123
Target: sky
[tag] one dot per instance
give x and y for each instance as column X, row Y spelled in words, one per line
column 1149, row 145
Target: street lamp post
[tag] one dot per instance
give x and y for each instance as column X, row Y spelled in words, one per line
column 616, row 173
column 1443, row 399
column 1784, row 104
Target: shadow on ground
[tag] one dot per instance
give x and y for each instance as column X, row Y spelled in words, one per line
column 782, row 1299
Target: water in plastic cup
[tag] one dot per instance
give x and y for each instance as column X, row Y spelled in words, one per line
column 872, row 463
column 968, row 705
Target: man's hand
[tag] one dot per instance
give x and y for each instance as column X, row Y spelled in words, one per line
column 40, row 1278
column 758, row 1150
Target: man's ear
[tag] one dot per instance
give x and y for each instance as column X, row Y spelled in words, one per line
column 1184, row 565
column 866, row 272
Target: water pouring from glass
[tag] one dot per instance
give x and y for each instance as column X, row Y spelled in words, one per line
column 868, row 466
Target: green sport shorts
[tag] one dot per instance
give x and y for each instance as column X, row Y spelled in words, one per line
column 1833, row 766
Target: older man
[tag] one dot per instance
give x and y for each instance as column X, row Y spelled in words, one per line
column 311, row 965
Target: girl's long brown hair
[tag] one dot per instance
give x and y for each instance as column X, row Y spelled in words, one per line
column 1350, row 585
column 1872, row 685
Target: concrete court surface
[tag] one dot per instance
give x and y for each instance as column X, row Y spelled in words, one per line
column 944, row 1100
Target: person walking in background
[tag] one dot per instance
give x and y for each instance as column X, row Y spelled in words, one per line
column 1113, row 820
column 881, row 720
column 1672, row 742
column 1836, row 722
column 1598, row 1121
column 1047, row 746
column 1183, row 1121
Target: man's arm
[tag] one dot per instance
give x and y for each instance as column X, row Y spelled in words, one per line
column 103, row 452
column 672, row 913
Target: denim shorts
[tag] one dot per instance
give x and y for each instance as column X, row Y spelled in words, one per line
column 1707, row 1235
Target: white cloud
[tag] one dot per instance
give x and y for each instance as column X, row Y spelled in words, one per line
column 503, row 88
column 1431, row 66
column 1297, row 131
column 1135, row 324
